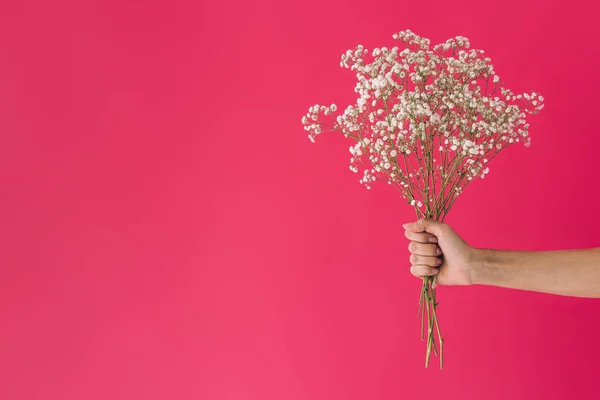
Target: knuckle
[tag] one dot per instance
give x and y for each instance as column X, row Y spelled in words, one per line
column 412, row 247
column 433, row 249
column 413, row 258
column 425, row 250
column 418, row 248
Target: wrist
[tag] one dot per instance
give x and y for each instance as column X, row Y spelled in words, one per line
column 477, row 265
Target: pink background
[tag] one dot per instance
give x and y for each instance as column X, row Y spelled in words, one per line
column 169, row 232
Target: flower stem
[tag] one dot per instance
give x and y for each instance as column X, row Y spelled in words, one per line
column 427, row 300
column 437, row 327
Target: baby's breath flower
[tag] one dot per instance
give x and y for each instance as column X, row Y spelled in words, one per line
column 425, row 120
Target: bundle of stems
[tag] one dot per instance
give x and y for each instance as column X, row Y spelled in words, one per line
column 428, row 303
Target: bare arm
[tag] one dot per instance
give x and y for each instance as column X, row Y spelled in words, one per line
column 564, row 272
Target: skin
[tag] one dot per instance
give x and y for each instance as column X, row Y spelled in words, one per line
column 436, row 249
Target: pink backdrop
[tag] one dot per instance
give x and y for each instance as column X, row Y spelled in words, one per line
column 169, row 232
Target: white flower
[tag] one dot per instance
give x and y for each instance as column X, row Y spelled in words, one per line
column 410, row 119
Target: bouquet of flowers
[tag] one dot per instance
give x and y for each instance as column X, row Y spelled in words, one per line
column 428, row 120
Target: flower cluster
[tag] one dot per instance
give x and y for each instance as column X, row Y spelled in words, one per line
column 427, row 120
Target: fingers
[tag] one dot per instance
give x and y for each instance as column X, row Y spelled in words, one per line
column 420, row 237
column 425, row 252
column 424, row 249
column 426, row 225
column 416, row 259
column 423, row 270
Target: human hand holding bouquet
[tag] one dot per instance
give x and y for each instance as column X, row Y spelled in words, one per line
column 427, row 121
column 429, row 241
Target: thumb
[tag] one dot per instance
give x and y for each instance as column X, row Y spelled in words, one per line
column 426, row 225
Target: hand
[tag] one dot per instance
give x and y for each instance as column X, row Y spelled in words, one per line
column 437, row 250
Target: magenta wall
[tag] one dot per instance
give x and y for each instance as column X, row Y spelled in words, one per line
column 169, row 232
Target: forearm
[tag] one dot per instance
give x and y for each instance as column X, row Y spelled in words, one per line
column 565, row 272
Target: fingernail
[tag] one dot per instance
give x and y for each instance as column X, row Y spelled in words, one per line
column 438, row 251
column 432, row 239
